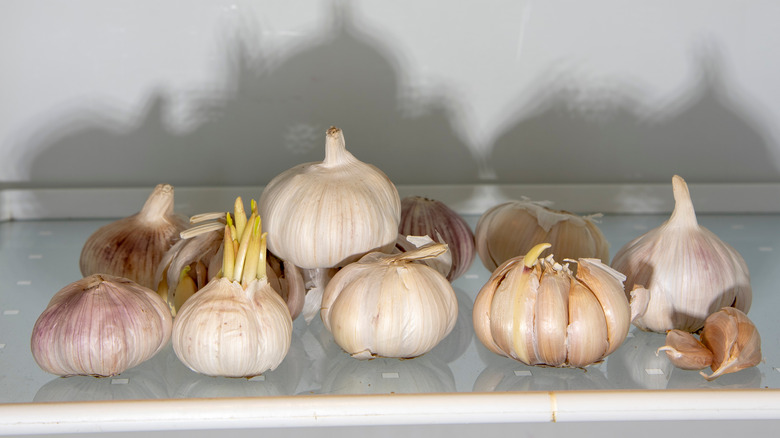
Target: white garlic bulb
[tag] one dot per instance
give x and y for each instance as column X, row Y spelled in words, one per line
column 389, row 306
column 132, row 247
column 511, row 229
column 422, row 216
column 327, row 214
column 539, row 313
column 685, row 269
column 237, row 325
column 100, row 325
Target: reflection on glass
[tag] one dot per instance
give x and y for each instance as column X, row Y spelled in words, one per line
column 510, row 375
column 139, row 383
column 635, row 365
column 422, row 374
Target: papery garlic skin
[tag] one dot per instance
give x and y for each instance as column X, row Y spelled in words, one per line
column 512, row 228
column 100, row 325
column 422, row 216
column 688, row 272
column 330, row 213
column 538, row 312
column 133, row 247
column 225, row 330
column 387, row 306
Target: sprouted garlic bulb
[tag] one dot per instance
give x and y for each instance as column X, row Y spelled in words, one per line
column 132, row 247
column 422, row 216
column 685, row 269
column 237, row 325
column 100, row 326
column 729, row 343
column 511, row 229
column 538, row 312
column 387, row 305
column 197, row 258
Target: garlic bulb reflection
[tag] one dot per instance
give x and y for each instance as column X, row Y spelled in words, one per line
column 423, row 216
column 237, row 325
column 729, row 343
column 389, row 306
column 511, row 229
column 686, row 270
column 537, row 312
column 100, row 325
column 322, row 215
column 133, row 247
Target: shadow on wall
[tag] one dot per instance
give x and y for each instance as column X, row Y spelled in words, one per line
column 602, row 138
column 272, row 118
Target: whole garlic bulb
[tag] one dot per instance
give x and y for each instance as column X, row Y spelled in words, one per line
column 100, row 325
column 389, row 306
column 537, row 312
column 327, row 214
column 685, row 269
column 422, row 216
column 132, row 247
column 729, row 343
column 511, row 229
column 237, row 325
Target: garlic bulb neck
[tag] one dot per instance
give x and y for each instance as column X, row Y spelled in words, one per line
column 336, row 152
column 159, row 205
column 684, row 215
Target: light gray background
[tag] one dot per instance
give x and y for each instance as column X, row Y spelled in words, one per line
column 214, row 93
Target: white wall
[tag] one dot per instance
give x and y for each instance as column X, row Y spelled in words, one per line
column 196, row 92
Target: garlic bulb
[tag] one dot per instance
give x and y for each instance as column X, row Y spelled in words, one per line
column 511, row 229
column 133, row 247
column 687, row 271
column 322, row 215
column 386, row 305
column 237, row 325
column 197, row 258
column 423, row 216
column 100, row 325
column 729, row 343
column 537, row 312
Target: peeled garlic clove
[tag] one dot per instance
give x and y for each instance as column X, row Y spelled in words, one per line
column 538, row 312
column 328, row 214
column 685, row 351
column 100, row 325
column 423, row 216
column 686, row 269
column 733, row 340
column 134, row 246
column 511, row 229
column 387, row 305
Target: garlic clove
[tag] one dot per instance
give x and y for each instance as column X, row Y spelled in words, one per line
column 685, row 351
column 482, row 315
column 552, row 316
column 101, row 326
column 424, row 216
column 587, row 329
column 607, row 285
column 733, row 340
column 133, row 247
